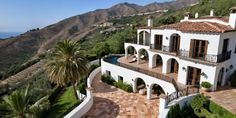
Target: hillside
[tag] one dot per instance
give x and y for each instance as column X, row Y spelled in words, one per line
column 19, row 49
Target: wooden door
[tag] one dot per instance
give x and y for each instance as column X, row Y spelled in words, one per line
column 158, row 42
column 198, row 49
column 175, row 43
column 174, row 66
column 194, row 75
column 225, row 45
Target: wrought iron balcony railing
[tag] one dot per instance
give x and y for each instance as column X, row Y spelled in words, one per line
column 206, row 57
column 184, row 92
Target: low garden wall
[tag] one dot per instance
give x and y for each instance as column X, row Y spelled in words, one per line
column 84, row 107
column 164, row 109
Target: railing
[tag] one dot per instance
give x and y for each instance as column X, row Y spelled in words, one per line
column 153, row 74
column 207, row 57
column 184, row 92
column 147, row 72
column 224, row 56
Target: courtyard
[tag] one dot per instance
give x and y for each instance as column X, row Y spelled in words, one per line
column 110, row 102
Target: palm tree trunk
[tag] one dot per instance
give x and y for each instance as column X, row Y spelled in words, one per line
column 75, row 93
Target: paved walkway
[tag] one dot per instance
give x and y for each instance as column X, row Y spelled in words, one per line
column 225, row 97
column 110, row 102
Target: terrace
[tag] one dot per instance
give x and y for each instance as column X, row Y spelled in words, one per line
column 143, row 67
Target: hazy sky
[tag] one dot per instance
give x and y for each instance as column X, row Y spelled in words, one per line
column 22, row 15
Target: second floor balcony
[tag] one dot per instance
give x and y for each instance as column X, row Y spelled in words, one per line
column 204, row 57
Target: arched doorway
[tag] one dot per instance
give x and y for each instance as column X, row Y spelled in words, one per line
column 144, row 38
column 220, row 77
column 131, row 50
column 156, row 91
column 139, row 84
column 143, row 56
column 174, row 42
column 172, row 66
column 157, row 61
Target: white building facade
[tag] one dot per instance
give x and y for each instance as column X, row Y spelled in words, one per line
column 189, row 52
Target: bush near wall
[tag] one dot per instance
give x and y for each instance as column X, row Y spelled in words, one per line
column 208, row 109
column 216, row 109
column 107, row 79
column 232, row 79
column 124, row 86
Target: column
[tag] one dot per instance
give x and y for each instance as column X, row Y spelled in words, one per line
column 126, row 53
column 134, row 86
column 137, row 37
column 149, row 92
column 144, row 37
column 162, row 104
column 151, row 61
column 164, row 65
column 138, row 58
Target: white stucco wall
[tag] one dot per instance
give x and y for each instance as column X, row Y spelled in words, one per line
column 129, row 76
column 84, row 107
column 163, row 110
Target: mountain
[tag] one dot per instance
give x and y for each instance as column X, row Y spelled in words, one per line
column 25, row 46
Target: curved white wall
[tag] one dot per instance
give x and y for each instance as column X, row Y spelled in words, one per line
column 130, row 75
column 84, row 107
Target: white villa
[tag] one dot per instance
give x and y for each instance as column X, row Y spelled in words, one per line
column 178, row 55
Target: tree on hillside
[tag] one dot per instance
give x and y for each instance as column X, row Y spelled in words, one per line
column 66, row 64
column 18, row 105
column 101, row 49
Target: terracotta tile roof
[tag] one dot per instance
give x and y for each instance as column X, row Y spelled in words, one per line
column 198, row 27
column 224, row 19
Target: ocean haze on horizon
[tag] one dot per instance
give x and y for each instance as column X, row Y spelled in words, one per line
column 4, row 35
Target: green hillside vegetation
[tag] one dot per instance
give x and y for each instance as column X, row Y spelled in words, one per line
column 102, row 44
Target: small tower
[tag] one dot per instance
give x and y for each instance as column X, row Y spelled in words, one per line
column 196, row 15
column 212, row 12
column 150, row 21
column 186, row 15
column 232, row 17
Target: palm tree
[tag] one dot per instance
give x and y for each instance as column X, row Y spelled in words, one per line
column 18, row 105
column 66, row 64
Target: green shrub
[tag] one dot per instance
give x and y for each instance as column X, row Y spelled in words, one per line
column 199, row 101
column 232, row 79
column 54, row 94
column 218, row 110
column 174, row 112
column 82, row 88
column 124, row 86
column 206, row 84
column 202, row 113
column 108, row 79
column 93, row 67
column 187, row 112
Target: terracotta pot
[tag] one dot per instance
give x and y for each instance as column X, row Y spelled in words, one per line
column 205, row 89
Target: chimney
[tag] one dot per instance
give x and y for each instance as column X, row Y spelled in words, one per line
column 232, row 17
column 212, row 12
column 186, row 15
column 150, row 21
column 196, row 15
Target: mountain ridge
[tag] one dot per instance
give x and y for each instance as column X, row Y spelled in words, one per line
column 74, row 28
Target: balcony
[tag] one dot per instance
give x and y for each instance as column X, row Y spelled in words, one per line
column 205, row 57
column 163, row 49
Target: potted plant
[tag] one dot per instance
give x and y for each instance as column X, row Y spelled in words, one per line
column 206, row 86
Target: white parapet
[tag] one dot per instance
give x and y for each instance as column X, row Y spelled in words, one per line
column 85, row 106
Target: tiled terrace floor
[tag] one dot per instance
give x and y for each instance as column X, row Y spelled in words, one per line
column 110, row 102
column 144, row 65
column 225, row 97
